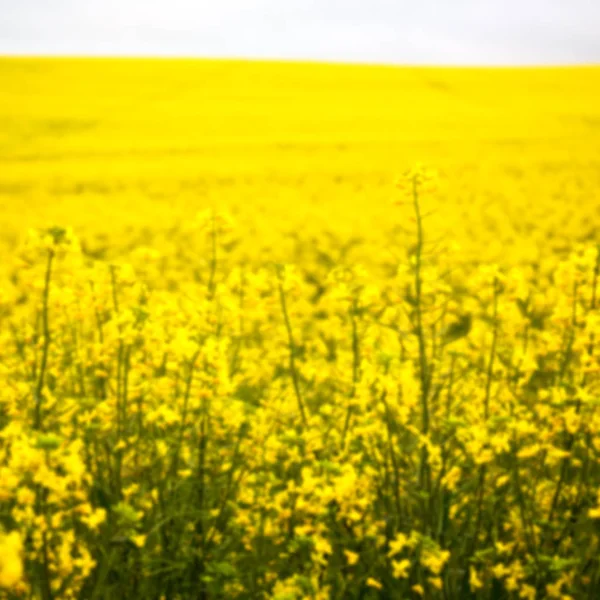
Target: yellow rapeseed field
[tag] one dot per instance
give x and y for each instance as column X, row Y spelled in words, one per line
column 298, row 331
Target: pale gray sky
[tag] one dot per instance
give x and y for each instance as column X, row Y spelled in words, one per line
column 388, row 31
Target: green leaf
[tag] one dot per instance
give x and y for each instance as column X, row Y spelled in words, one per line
column 459, row 329
column 48, row 441
column 126, row 512
column 224, row 569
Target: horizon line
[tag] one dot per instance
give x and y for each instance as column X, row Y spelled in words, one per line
column 295, row 60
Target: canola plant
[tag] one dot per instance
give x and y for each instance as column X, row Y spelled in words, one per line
column 252, row 347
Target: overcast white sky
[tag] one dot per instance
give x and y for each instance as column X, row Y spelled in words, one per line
column 388, row 31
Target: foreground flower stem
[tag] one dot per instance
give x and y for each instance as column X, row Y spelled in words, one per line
column 292, row 346
column 424, row 374
column 46, row 331
column 355, row 367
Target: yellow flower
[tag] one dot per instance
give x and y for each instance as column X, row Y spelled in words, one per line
column 500, row 443
column 120, row 445
column 397, row 545
column 504, row 548
column 11, row 564
column 25, row 496
column 499, row 571
column 436, row 582
column 95, row 519
column 451, row 478
column 401, row 568
column 139, row 540
column 418, row 589
column 527, row 592
column 554, row 590
column 435, row 561
column 374, row 583
column 572, row 421
column 474, row 581
column 322, row 546
column 351, row 557
column 529, row 451
column 502, row 480
column 484, row 457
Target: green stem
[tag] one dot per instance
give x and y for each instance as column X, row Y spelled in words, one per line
column 424, row 472
column 213, row 259
column 355, row 367
column 184, row 413
column 46, row 333
column 292, row 360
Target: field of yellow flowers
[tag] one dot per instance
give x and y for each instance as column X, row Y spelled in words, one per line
column 298, row 331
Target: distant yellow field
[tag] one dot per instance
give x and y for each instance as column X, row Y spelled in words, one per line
column 107, row 144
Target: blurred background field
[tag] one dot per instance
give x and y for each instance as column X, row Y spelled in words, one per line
column 130, row 148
